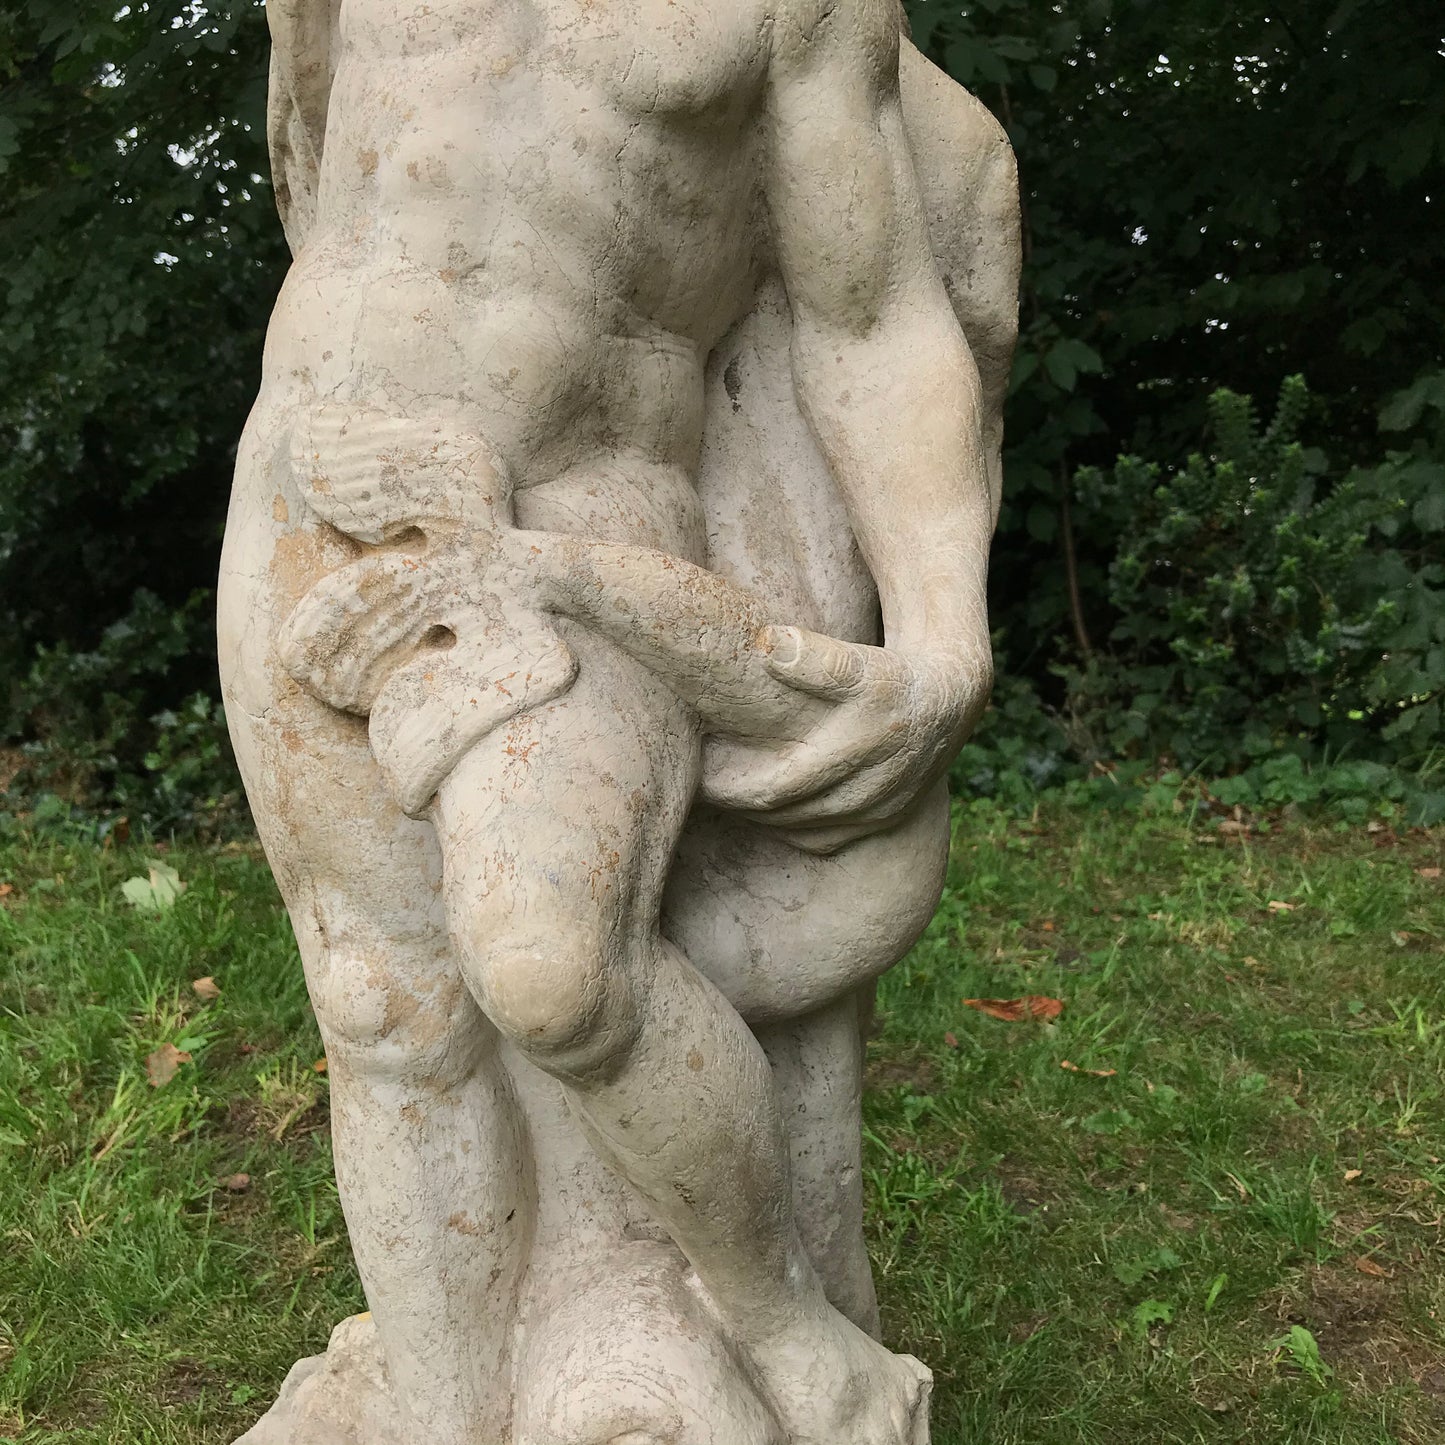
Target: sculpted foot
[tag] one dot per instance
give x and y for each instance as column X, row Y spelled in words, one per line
column 831, row 1384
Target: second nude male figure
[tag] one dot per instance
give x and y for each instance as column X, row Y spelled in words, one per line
column 534, row 221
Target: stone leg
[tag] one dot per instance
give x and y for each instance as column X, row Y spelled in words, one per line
column 818, row 1070
column 433, row 1174
column 795, row 941
column 556, row 835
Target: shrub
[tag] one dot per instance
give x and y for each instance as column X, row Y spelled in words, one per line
column 96, row 737
column 1259, row 607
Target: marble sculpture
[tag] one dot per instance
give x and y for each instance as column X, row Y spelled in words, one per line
column 601, row 607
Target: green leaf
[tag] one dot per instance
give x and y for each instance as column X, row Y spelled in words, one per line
column 1060, row 367
column 1151, row 1312
column 1429, row 511
column 1404, row 410
column 1304, row 1353
column 1215, row 1290
column 1160, row 1261
column 1110, row 1121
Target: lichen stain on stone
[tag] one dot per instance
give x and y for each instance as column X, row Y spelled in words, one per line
column 280, row 512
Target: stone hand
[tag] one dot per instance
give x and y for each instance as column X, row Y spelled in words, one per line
column 894, row 724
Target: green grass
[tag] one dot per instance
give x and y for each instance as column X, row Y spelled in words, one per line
column 1235, row 1237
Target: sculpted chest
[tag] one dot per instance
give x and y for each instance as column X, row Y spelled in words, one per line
column 643, row 57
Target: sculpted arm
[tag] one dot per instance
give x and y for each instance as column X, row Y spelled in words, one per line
column 882, row 369
column 886, row 379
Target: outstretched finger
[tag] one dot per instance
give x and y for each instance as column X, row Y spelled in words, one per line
column 743, row 780
column 815, row 663
column 875, row 796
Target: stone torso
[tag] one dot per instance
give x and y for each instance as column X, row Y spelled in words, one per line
column 538, row 218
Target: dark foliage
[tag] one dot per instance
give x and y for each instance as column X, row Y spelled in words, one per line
column 143, row 256
column 1219, row 194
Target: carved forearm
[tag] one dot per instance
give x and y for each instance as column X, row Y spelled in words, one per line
column 897, row 413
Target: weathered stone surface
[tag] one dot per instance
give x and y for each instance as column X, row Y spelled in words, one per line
column 340, row 1398
column 638, row 359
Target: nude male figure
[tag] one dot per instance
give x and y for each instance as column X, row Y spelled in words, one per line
column 540, row 220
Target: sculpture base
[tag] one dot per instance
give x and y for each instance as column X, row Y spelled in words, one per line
column 618, row 1348
column 340, row 1398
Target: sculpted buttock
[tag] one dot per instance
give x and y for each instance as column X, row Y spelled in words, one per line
column 601, row 604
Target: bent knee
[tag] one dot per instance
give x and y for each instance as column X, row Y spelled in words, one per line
column 380, row 1023
column 558, row 993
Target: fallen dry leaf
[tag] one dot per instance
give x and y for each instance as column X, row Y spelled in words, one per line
column 206, row 988
column 951, row 1040
column 1369, row 1267
column 1240, row 1187
column 1017, row 1010
column 1047, row 925
column 1073, row 1068
column 236, row 1183
column 319, row 1067
column 1276, row 906
column 1430, row 873
column 6, row 889
column 157, row 891
column 1352, row 1174
column 161, row 1066
column 1232, row 827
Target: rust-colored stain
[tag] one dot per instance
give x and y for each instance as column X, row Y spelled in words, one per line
column 298, row 560
column 402, row 1008
column 280, row 512
column 463, row 1223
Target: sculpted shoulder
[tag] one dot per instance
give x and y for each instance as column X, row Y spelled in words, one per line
column 861, row 36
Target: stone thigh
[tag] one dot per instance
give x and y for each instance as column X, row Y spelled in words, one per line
column 557, row 832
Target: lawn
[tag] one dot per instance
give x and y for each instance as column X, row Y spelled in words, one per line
column 1205, row 1204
